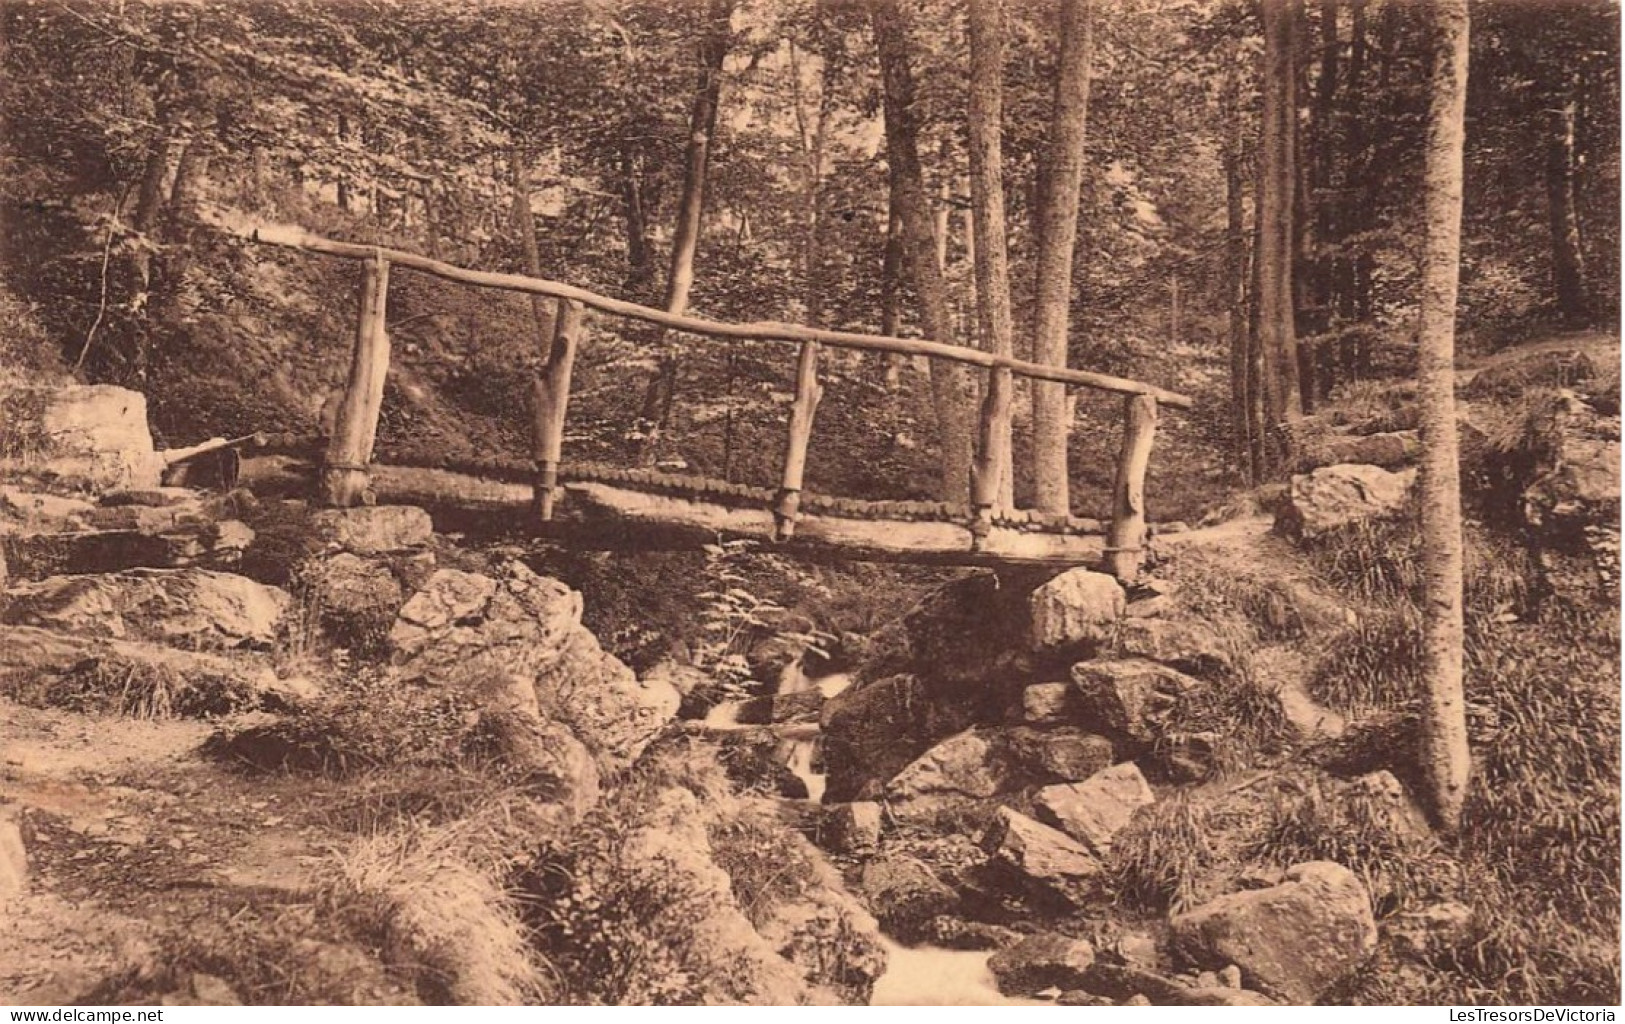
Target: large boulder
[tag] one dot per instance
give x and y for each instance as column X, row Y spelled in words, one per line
column 905, row 896
column 462, row 627
column 852, row 828
column 374, row 529
column 1075, row 612
column 1043, row 860
column 962, row 769
column 956, row 641
column 1185, row 644
column 1096, row 809
column 1129, row 697
column 1064, row 754
column 1292, row 941
column 871, row 730
column 1042, row 961
column 1333, row 497
column 194, row 609
column 963, row 774
column 92, row 435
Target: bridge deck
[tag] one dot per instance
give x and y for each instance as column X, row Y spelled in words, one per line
column 627, row 508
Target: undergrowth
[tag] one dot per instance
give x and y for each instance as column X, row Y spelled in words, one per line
column 138, row 689
column 1397, row 858
column 1157, row 859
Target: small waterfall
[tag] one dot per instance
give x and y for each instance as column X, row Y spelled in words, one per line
column 804, row 743
column 801, row 738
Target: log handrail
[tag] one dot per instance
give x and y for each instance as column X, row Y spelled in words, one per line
column 294, row 237
column 344, row 472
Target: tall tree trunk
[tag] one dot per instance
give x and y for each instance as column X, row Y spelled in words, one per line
column 1568, row 260
column 1323, row 164
column 343, row 187
column 891, row 289
column 1061, row 179
column 919, row 245
column 1354, row 273
column 149, row 208
column 524, row 221
column 1445, row 733
column 640, row 266
column 1277, row 335
column 702, row 123
column 993, row 316
column 1243, row 401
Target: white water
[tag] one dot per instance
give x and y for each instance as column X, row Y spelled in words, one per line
column 804, row 747
column 928, row 976
column 914, row 976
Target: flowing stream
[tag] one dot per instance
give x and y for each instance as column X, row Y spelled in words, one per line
column 915, row 975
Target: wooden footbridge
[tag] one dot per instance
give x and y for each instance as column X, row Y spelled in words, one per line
column 565, row 498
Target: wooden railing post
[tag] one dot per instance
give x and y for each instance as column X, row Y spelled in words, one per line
column 808, row 393
column 552, row 400
column 1125, row 542
column 345, row 482
column 993, row 423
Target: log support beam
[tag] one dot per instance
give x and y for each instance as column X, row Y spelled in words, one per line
column 802, row 411
column 1125, row 541
column 551, row 401
column 344, row 471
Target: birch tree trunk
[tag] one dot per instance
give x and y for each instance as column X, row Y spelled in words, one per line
column 1445, row 733
column 1568, row 261
column 991, row 258
column 702, row 122
column 1277, row 335
column 954, row 422
column 1061, row 179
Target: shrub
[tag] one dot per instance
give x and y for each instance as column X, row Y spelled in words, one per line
column 616, row 934
column 372, row 720
column 766, row 866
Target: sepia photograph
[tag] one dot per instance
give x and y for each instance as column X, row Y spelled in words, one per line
column 831, row 503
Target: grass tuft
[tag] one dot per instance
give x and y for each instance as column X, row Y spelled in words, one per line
column 439, row 917
column 1159, row 857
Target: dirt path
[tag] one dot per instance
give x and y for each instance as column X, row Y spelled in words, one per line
column 136, row 840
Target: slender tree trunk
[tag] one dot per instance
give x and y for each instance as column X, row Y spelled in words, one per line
column 344, row 190
column 640, row 267
column 1445, row 733
column 149, row 208
column 702, row 122
column 1568, row 259
column 1323, row 164
column 525, row 223
column 993, row 316
column 1242, row 398
column 1352, row 214
column 1277, row 335
column 891, row 289
column 1061, row 180
column 919, row 245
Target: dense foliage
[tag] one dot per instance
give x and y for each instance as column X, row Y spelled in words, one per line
column 419, row 124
